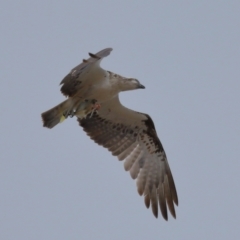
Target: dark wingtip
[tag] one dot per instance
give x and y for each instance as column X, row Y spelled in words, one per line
column 93, row 55
column 165, row 217
column 147, row 201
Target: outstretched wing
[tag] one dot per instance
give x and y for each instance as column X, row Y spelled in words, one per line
column 131, row 136
column 73, row 81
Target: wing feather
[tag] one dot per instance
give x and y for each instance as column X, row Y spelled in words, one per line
column 171, row 185
column 127, row 151
column 130, row 160
column 142, row 178
column 168, row 196
column 120, row 146
column 147, row 201
column 154, row 202
column 135, row 169
column 162, row 201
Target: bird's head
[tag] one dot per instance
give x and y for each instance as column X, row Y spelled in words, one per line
column 130, row 84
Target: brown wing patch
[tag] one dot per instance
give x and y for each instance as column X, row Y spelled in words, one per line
column 71, row 85
column 116, row 137
column 151, row 132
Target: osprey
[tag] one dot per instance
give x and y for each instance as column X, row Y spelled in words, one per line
column 92, row 96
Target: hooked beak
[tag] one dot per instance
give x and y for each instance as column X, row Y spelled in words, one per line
column 141, row 86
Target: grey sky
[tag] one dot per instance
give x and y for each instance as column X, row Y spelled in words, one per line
column 58, row 184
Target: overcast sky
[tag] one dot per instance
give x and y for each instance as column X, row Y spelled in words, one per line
column 58, row 184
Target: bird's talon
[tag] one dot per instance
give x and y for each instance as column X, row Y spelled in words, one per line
column 96, row 106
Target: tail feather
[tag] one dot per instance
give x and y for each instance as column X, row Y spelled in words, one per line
column 56, row 115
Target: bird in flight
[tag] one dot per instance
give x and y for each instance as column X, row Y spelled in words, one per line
column 92, row 96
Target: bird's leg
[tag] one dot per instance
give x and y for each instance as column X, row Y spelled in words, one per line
column 69, row 113
column 65, row 115
column 87, row 107
column 96, row 106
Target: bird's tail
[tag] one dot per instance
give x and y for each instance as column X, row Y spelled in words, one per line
column 57, row 114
